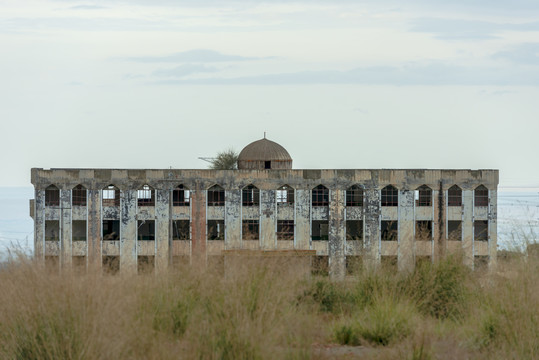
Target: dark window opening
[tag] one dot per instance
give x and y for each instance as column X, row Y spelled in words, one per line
column 481, row 196
column 285, row 195
column 145, row 264
column 389, row 230
column 180, row 230
column 146, row 196
column 111, row 264
column 267, row 164
column 423, row 196
column 390, row 196
column 320, row 196
column 354, row 196
column 216, row 229
column 180, row 196
column 454, row 196
column 78, row 228
column 454, row 230
column 78, row 196
column 480, row 230
column 52, row 230
column 111, row 229
column 111, row 196
column 422, row 261
column 480, row 262
column 216, row 196
column 146, row 230
column 250, row 196
column 320, row 265
column 52, row 196
column 250, row 230
column 285, row 229
column 423, row 230
column 354, row 264
column 354, row 229
column 320, row 230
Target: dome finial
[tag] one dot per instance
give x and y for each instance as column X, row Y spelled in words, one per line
column 264, row 134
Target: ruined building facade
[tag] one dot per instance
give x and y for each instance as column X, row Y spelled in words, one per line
column 125, row 219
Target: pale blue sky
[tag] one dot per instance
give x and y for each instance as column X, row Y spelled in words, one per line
column 340, row 84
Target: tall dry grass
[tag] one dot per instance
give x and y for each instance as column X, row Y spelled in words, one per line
column 269, row 309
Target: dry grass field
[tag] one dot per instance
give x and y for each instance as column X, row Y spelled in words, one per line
column 265, row 310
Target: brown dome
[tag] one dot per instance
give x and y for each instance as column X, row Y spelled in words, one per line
column 264, row 154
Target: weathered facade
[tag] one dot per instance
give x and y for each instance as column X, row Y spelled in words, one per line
column 126, row 219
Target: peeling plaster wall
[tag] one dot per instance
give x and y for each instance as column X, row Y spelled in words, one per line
column 268, row 212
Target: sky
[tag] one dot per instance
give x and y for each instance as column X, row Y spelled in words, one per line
column 340, row 84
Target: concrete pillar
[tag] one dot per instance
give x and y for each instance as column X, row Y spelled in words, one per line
column 303, row 219
column 371, row 207
column 268, row 222
column 492, row 229
column 66, row 246
column 39, row 225
column 438, row 224
column 198, row 228
column 233, row 220
column 163, row 237
column 94, row 228
column 406, row 223
column 128, row 232
column 337, row 259
column 467, row 227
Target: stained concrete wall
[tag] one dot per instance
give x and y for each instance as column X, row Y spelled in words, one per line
column 303, row 181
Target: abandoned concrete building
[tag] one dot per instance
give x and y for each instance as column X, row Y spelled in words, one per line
column 127, row 219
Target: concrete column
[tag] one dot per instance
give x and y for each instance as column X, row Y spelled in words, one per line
column 406, row 252
column 94, row 228
column 303, row 219
column 128, row 232
column 467, row 227
column 438, row 224
column 162, row 227
column 39, row 225
column 337, row 259
column 371, row 207
column 198, row 228
column 233, row 221
column 268, row 219
column 66, row 246
column 492, row 229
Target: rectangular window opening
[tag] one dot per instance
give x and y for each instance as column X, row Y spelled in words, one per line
column 454, row 230
column 354, row 264
column 78, row 230
column 285, row 229
column 354, row 230
column 181, row 230
column 52, row 230
column 320, row 265
column 250, row 230
column 146, row 230
column 216, row 229
column 423, row 230
column 111, row 264
column 320, row 230
column 480, row 230
column 145, row 264
column 389, row 230
column 111, row 229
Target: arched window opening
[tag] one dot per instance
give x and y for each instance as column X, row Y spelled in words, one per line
column 454, row 196
column 52, row 196
column 320, row 196
column 180, row 196
column 354, row 196
column 250, row 196
column 390, row 196
column 78, row 196
column 146, row 196
column 481, row 196
column 111, row 196
column 216, row 196
column 285, row 195
column 423, row 196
